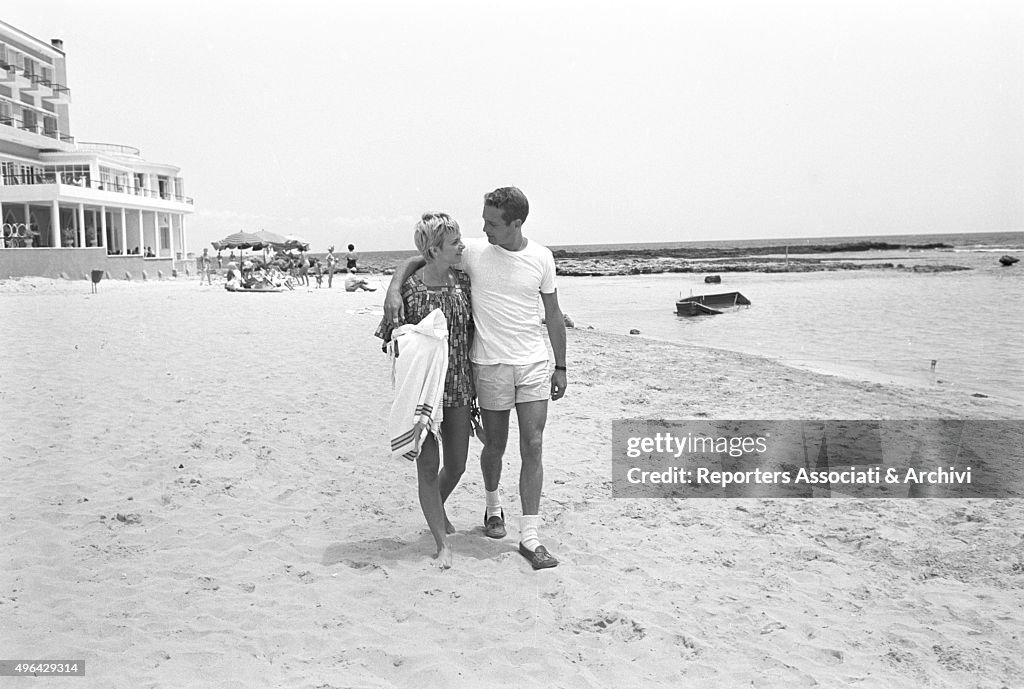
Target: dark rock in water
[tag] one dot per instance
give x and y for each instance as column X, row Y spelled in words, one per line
column 937, row 269
column 713, row 279
column 634, row 331
column 1008, row 260
column 568, row 321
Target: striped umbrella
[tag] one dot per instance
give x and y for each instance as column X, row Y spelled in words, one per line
column 273, row 239
column 239, row 240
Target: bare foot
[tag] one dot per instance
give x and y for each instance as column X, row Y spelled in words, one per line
column 444, row 557
column 448, row 528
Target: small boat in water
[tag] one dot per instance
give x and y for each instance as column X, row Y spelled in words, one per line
column 710, row 304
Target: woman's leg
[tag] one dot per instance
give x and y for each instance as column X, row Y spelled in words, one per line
column 455, row 440
column 430, row 498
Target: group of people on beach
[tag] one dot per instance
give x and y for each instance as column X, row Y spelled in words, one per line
column 300, row 267
column 497, row 359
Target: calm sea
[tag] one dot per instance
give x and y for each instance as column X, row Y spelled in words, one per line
column 878, row 325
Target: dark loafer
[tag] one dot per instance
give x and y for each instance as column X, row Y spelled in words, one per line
column 539, row 558
column 494, row 527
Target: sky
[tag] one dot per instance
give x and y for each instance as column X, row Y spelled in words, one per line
column 640, row 121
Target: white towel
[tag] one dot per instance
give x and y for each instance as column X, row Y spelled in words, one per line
column 419, row 364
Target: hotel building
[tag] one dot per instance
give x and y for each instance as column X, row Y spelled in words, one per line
column 69, row 206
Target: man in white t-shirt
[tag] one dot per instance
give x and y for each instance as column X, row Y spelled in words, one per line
column 507, row 272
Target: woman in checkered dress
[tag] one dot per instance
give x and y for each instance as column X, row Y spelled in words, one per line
column 439, row 285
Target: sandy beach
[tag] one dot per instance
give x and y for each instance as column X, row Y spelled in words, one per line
column 198, row 492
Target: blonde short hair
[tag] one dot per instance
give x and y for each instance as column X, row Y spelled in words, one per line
column 432, row 230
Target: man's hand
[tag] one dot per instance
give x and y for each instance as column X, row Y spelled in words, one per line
column 394, row 309
column 558, row 383
column 393, row 305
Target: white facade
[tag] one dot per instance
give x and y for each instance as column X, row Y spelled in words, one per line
column 56, row 193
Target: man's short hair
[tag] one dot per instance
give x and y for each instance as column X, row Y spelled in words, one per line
column 432, row 230
column 510, row 201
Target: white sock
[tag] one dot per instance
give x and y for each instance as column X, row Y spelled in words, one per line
column 528, row 527
column 493, row 503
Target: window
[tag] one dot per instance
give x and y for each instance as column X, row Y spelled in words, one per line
column 7, row 170
column 112, row 179
column 71, row 174
column 29, row 120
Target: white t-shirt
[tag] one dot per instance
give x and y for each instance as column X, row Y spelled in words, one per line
column 506, row 286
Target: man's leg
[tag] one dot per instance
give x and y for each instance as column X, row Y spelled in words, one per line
column 532, row 417
column 496, row 431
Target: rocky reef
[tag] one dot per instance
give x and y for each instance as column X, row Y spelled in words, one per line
column 766, row 259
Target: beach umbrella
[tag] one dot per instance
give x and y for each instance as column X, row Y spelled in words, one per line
column 297, row 242
column 239, row 240
column 272, row 238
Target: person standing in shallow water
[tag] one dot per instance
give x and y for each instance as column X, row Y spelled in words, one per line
column 436, row 284
column 509, row 355
column 351, row 258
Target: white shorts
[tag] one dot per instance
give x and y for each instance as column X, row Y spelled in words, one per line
column 499, row 387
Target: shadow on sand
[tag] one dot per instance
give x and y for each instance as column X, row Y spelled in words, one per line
column 373, row 553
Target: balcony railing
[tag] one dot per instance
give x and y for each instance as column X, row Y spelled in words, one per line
column 108, row 148
column 86, row 182
column 39, row 80
column 11, row 179
column 36, row 128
